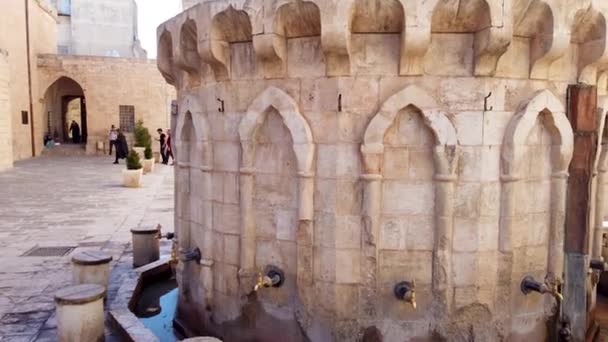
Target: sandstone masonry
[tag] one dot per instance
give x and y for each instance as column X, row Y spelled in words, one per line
column 356, row 144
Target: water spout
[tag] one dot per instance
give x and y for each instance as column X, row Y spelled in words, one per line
column 274, row 277
column 528, row 285
column 406, row 291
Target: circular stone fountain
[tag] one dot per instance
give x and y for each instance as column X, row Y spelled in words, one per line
column 403, row 164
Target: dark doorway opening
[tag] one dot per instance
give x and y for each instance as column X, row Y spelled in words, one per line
column 66, row 103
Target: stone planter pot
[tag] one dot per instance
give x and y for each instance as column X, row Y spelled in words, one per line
column 140, row 152
column 148, row 165
column 132, row 178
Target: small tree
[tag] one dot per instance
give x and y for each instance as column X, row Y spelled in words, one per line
column 148, row 152
column 133, row 162
column 142, row 135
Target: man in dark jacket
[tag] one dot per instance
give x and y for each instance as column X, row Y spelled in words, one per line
column 163, row 145
column 122, row 149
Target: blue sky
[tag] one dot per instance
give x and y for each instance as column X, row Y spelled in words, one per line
column 152, row 13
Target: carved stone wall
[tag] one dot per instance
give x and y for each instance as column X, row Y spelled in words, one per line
column 360, row 143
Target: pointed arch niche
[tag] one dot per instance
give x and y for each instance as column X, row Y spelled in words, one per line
column 194, row 188
column 277, row 101
column 443, row 176
column 536, row 152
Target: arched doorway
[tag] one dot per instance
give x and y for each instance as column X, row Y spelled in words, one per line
column 65, row 103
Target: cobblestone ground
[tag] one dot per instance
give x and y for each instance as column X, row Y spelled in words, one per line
column 67, row 201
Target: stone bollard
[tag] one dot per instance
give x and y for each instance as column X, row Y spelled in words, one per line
column 91, row 267
column 80, row 313
column 146, row 245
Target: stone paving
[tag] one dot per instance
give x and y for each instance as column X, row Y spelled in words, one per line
column 67, row 201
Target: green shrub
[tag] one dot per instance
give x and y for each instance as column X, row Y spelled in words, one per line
column 142, row 135
column 133, row 161
column 148, row 152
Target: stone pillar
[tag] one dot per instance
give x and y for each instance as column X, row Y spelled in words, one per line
column 80, row 314
column 372, row 203
column 305, row 235
column 208, row 249
column 146, row 245
column 442, row 252
column 247, row 223
column 91, row 267
column 509, row 187
column 559, row 187
column 599, row 213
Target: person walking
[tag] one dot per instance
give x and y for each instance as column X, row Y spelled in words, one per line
column 75, row 131
column 163, row 145
column 170, row 148
column 122, row 148
column 112, row 136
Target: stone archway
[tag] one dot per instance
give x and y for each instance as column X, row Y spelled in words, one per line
column 65, row 102
column 304, row 149
column 445, row 156
column 543, row 215
column 194, row 153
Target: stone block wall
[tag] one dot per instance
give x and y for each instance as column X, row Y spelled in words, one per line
column 6, row 137
column 43, row 31
column 418, row 144
column 108, row 83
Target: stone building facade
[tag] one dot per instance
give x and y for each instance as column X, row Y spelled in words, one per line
column 38, row 80
column 15, row 127
column 106, row 84
column 98, row 28
column 356, row 144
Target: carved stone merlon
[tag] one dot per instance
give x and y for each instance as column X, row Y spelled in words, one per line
column 165, row 56
column 547, row 47
column 216, row 54
column 492, row 42
column 271, row 50
column 335, row 36
column 415, row 43
column 595, row 58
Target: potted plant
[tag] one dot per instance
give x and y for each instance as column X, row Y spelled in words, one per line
column 132, row 175
column 142, row 138
column 148, row 162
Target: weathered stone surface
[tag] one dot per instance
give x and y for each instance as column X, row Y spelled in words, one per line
column 371, row 151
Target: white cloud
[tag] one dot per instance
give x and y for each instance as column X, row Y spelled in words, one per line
column 152, row 13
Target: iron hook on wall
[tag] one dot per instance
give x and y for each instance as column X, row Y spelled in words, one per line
column 485, row 103
column 221, row 109
column 339, row 102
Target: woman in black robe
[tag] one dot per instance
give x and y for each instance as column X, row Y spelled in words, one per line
column 75, row 130
column 122, row 149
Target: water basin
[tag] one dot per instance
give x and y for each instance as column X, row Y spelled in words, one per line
column 155, row 307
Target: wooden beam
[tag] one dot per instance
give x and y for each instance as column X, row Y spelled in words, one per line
column 582, row 109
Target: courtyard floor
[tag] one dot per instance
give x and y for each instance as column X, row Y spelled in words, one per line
column 74, row 202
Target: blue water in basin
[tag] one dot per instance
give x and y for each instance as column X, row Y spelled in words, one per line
column 156, row 309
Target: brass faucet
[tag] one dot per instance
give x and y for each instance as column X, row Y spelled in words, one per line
column 550, row 286
column 263, row 281
column 554, row 290
column 274, row 277
column 406, row 291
